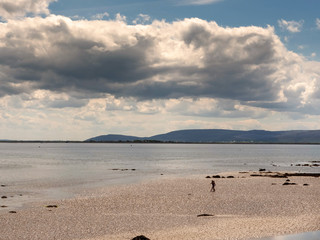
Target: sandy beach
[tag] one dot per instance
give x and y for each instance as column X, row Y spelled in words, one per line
column 243, row 207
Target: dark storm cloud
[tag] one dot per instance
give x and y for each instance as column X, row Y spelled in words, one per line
column 189, row 58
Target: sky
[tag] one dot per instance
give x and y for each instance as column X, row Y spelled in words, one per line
column 75, row 69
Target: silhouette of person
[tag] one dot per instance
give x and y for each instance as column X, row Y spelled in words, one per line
column 213, row 184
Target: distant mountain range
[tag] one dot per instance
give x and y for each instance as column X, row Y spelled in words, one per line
column 220, row 136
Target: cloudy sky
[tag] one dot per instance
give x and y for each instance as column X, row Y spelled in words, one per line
column 74, row 69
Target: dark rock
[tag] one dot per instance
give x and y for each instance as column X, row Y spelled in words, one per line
column 208, row 177
column 288, row 180
column 230, row 177
column 306, row 184
column 3, row 185
column 302, row 174
column 4, row 197
column 12, row 212
column 4, row 206
column 278, row 176
column 288, row 183
column 141, row 237
column 133, row 169
column 205, row 215
column 262, row 169
column 216, row 176
column 52, row 206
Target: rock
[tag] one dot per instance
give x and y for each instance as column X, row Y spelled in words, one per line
column 288, row 180
column 288, row 183
column 262, row 169
column 216, row 176
column 255, row 175
column 141, row 237
column 230, row 177
column 278, row 176
column 208, row 177
column 306, row 184
column 4, row 206
column 4, row 197
column 12, row 212
column 205, row 215
column 52, row 206
column 3, row 185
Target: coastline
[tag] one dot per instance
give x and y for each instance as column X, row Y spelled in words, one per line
column 243, row 207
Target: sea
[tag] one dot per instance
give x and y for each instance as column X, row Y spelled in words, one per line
column 32, row 172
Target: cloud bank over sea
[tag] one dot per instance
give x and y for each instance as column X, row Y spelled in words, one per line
column 188, row 67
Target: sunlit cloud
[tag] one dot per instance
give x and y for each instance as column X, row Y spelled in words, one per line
column 100, row 16
column 318, row 23
column 291, row 26
column 57, row 72
column 19, row 8
column 142, row 19
column 198, row 2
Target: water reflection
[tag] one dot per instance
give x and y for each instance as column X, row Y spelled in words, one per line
column 301, row 236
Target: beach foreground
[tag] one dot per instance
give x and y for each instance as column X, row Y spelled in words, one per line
column 242, row 207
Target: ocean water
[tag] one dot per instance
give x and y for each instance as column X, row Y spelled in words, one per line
column 301, row 236
column 44, row 171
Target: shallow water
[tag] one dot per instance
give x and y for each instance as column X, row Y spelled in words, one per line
column 301, row 236
column 34, row 171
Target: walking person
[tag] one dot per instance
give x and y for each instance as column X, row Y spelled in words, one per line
column 213, row 184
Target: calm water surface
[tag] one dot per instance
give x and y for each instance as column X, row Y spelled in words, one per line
column 58, row 170
column 301, row 236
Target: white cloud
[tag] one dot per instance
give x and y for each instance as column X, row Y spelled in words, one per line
column 318, row 23
column 19, row 8
column 291, row 26
column 120, row 18
column 198, row 2
column 142, row 19
column 189, row 58
column 100, row 16
column 93, row 72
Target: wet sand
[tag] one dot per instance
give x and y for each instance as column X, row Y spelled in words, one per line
column 242, row 207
